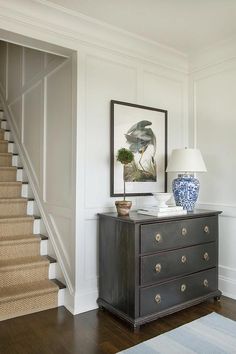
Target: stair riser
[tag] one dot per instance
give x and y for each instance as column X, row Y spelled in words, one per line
column 44, row 247
column 8, row 176
column 28, row 305
column 23, row 275
column 18, row 228
column 13, row 209
column 2, row 135
column 4, row 147
column 16, row 161
column 1, row 114
column 27, row 191
column 21, row 175
column 5, row 125
column 8, row 135
column 20, row 250
column 10, row 191
column 6, row 161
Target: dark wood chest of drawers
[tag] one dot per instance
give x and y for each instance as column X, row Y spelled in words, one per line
column 150, row 267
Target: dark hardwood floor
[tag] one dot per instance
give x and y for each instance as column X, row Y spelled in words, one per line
column 96, row 332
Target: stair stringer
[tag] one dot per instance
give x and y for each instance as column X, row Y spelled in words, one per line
column 50, row 228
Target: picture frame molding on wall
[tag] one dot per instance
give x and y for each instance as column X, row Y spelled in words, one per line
column 113, row 193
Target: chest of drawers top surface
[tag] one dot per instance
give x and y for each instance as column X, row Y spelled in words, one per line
column 136, row 218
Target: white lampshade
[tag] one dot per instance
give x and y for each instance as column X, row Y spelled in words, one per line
column 186, row 160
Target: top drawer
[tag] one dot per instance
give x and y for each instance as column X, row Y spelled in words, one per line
column 174, row 234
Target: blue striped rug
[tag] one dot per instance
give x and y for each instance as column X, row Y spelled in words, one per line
column 211, row 334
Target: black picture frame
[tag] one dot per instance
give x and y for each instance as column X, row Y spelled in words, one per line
column 113, row 105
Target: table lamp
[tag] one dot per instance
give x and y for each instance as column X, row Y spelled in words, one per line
column 186, row 186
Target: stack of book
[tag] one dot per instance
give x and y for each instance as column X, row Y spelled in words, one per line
column 162, row 211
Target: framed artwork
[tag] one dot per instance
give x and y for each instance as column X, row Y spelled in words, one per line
column 143, row 130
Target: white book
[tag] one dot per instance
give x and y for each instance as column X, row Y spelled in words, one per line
column 163, row 209
column 162, row 213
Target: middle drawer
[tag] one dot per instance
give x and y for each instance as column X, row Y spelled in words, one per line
column 161, row 266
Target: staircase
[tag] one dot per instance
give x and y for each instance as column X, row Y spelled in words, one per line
column 25, row 286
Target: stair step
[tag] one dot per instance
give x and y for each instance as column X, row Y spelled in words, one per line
column 43, row 237
column 59, row 283
column 10, row 189
column 16, row 226
column 20, row 238
column 13, row 207
column 2, row 134
column 8, row 174
column 13, row 247
column 5, row 159
column 51, row 259
column 3, row 145
column 23, row 270
column 28, row 298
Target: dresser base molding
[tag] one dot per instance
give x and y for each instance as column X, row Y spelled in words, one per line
column 216, row 295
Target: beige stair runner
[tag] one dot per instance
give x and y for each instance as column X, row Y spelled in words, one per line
column 24, row 284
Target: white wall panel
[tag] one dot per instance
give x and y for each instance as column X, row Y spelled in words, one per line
column 14, row 71
column 59, row 136
column 167, row 93
column 66, row 240
column 16, row 111
column 3, row 60
column 105, row 80
column 49, row 58
column 33, row 118
column 213, row 106
column 215, row 132
column 33, row 63
column 91, row 251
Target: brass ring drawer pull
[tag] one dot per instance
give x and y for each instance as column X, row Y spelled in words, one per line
column 183, row 259
column 184, row 231
column 206, row 256
column 158, row 267
column 206, row 229
column 205, row 283
column 158, row 237
column 158, row 298
column 183, row 287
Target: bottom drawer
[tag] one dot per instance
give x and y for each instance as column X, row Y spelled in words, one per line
column 163, row 296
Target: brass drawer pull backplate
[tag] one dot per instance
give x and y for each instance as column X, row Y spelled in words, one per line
column 206, row 256
column 158, row 237
column 158, row 298
column 206, row 229
column 158, row 267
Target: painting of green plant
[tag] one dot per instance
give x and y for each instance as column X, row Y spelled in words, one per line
column 141, row 140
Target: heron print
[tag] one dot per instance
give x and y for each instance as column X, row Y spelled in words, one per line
column 142, row 142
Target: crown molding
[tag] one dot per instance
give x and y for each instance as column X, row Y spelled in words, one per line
column 45, row 21
column 214, row 55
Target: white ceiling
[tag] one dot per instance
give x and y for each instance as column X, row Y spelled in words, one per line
column 186, row 25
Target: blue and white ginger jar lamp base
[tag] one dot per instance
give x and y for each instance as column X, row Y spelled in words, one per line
column 186, row 190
